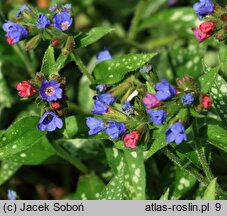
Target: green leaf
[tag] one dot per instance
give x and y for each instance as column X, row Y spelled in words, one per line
column 84, row 89
column 210, row 192
column 207, row 80
column 137, row 175
column 183, row 183
column 7, row 169
column 48, row 62
column 180, row 19
column 159, row 143
column 20, row 136
column 6, row 99
column 84, row 149
column 61, row 61
column 217, row 136
column 165, row 196
column 115, row 189
column 218, row 93
column 85, row 39
column 113, row 70
column 38, row 153
column 89, row 187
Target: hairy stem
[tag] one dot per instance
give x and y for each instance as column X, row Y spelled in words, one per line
column 81, row 66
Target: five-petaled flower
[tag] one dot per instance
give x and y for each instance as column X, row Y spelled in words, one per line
column 203, row 8
column 157, row 116
column 50, row 90
column 176, row 133
column 14, row 32
column 42, row 21
column 95, row 125
column 206, row 102
column 165, row 91
column 50, row 122
column 115, row 130
column 131, row 139
column 62, row 20
column 187, row 99
column 25, row 89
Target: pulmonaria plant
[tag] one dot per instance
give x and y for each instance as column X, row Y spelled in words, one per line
column 49, row 95
column 143, row 112
column 215, row 21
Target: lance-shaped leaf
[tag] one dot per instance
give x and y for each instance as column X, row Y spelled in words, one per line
column 87, row 38
column 113, row 70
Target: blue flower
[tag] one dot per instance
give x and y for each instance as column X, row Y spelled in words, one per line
column 103, row 55
column 67, row 7
column 101, row 102
column 99, row 108
column 165, row 90
column 176, row 133
column 22, row 9
column 106, row 98
column 146, row 69
column 42, row 21
column 187, row 99
column 62, row 20
column 53, row 8
column 14, row 32
column 127, row 108
column 95, row 125
column 115, row 130
column 50, row 121
column 101, row 88
column 50, row 90
column 203, row 8
column 12, row 195
column 157, row 116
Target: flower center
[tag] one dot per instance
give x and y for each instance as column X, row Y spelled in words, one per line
column 49, row 91
column 65, row 25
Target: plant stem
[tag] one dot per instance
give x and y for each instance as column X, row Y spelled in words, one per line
column 135, row 21
column 81, row 66
column 62, row 153
column 190, row 170
column 223, row 58
column 25, row 59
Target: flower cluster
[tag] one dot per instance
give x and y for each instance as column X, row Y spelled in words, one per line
column 29, row 23
column 215, row 24
column 50, row 95
column 143, row 111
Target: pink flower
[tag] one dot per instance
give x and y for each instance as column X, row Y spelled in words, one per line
column 56, row 105
column 150, row 101
column 25, row 89
column 204, row 31
column 206, row 102
column 131, row 139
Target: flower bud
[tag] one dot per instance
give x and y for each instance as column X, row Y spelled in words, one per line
column 206, row 102
column 25, row 89
column 70, row 44
column 224, row 17
column 131, row 139
column 56, row 105
column 33, row 43
column 221, row 35
column 186, row 83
